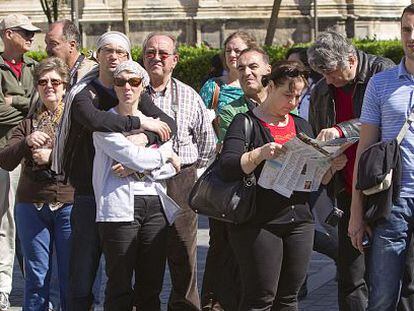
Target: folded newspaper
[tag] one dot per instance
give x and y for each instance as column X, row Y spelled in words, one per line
column 303, row 165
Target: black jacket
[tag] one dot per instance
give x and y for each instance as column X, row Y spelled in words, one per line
column 88, row 114
column 374, row 164
column 322, row 104
column 271, row 207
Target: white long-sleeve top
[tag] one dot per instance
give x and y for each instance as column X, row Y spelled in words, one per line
column 115, row 195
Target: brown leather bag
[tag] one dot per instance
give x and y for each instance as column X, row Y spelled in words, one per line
column 214, row 106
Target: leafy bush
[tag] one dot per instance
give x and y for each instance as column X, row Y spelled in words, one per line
column 194, row 62
column 391, row 49
column 37, row 55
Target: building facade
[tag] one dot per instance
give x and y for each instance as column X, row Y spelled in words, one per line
column 210, row 21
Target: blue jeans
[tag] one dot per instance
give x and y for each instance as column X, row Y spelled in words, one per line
column 85, row 255
column 386, row 258
column 38, row 231
column 54, row 299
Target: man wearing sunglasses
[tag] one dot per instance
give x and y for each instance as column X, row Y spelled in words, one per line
column 195, row 144
column 16, row 80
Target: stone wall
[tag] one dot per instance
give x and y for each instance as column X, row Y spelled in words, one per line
column 210, row 21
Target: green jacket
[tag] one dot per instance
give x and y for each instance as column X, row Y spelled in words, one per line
column 20, row 90
column 229, row 111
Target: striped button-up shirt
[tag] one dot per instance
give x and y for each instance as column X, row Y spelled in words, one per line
column 195, row 141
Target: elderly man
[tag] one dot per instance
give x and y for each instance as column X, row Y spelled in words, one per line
column 16, row 80
column 388, row 102
column 220, row 282
column 195, row 144
column 85, row 112
column 63, row 41
column 335, row 107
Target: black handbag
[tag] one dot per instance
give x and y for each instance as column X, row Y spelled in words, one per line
column 228, row 201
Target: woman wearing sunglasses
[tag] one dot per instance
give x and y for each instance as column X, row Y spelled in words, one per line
column 133, row 210
column 274, row 248
column 44, row 202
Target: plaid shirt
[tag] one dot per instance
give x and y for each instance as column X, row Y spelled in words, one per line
column 195, row 141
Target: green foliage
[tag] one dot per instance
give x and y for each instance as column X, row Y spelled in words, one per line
column 194, row 63
column 37, row 55
column 136, row 53
column 391, row 49
column 276, row 52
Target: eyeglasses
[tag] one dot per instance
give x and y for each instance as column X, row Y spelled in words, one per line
column 118, row 52
column 54, row 82
column 134, row 82
column 163, row 55
column 23, row 32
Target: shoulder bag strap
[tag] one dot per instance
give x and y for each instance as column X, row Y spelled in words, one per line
column 405, row 127
column 214, row 106
column 248, row 144
column 248, row 128
column 216, row 94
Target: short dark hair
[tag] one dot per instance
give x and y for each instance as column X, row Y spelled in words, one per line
column 408, row 9
column 50, row 64
column 303, row 56
column 70, row 31
column 302, row 53
column 285, row 70
column 258, row 50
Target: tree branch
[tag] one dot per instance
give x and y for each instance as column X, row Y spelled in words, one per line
column 46, row 10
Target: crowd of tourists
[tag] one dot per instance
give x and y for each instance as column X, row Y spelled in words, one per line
column 99, row 156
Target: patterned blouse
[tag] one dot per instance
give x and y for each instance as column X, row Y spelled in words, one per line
column 227, row 94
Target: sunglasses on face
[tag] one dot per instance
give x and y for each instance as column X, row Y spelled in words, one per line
column 134, row 82
column 24, row 33
column 163, row 55
column 54, row 82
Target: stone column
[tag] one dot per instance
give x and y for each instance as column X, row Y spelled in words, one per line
column 222, row 33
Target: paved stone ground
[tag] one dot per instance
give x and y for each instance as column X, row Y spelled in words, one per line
column 321, row 280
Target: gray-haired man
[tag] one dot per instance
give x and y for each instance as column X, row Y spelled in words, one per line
column 335, row 107
column 16, row 80
column 195, row 144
